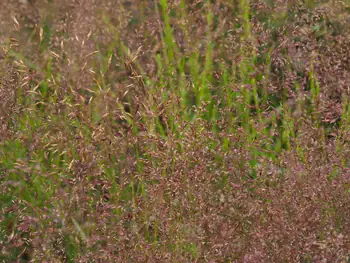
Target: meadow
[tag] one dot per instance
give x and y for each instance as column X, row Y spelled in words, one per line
column 175, row 131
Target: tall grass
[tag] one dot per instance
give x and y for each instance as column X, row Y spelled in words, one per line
column 174, row 131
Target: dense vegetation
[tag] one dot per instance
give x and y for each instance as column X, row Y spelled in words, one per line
column 175, row 131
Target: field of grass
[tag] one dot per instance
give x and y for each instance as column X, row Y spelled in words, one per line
column 175, row 131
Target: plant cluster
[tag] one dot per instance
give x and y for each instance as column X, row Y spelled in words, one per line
column 175, row 131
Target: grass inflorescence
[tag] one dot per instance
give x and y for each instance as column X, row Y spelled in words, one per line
column 174, row 131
